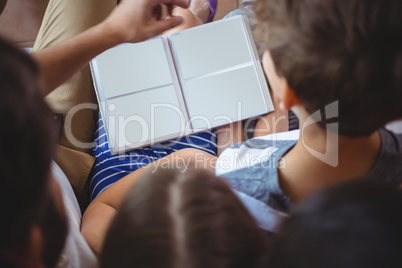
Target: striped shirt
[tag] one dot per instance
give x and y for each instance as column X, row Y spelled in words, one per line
column 110, row 168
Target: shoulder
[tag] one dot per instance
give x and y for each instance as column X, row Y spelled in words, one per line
column 387, row 167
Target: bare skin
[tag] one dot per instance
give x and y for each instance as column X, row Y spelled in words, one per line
column 224, row 7
column 130, row 21
column 228, row 135
column 100, row 212
column 197, row 14
column 302, row 173
column 102, row 209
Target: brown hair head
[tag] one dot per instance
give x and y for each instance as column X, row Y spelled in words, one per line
column 188, row 220
column 339, row 50
column 27, row 148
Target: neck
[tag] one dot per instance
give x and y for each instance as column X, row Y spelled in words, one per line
column 321, row 158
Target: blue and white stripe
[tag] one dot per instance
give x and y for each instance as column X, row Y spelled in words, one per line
column 110, row 168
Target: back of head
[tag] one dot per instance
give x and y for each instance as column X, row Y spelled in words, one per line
column 187, row 220
column 339, row 50
column 354, row 225
column 27, row 145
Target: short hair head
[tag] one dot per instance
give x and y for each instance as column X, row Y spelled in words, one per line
column 339, row 50
column 188, row 220
column 27, row 147
column 350, row 225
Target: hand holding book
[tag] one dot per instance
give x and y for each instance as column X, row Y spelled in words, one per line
column 137, row 20
column 191, row 81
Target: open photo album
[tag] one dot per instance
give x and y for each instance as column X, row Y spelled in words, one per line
column 191, row 81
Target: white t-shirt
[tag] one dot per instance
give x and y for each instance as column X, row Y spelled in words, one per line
column 76, row 252
column 395, row 126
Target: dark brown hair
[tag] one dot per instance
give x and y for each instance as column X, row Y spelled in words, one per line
column 339, row 50
column 174, row 219
column 27, row 147
column 356, row 224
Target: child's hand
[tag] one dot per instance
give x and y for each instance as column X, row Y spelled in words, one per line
column 138, row 20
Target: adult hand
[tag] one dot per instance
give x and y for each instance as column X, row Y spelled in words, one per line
column 131, row 21
column 137, row 20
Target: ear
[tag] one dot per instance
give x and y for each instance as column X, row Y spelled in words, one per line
column 289, row 98
column 35, row 245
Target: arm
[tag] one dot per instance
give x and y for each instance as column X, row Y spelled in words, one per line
column 102, row 209
column 95, row 223
column 130, row 21
column 228, row 135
